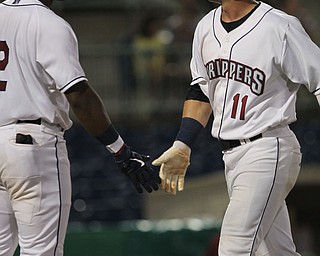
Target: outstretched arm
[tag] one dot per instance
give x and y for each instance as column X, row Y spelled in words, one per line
column 175, row 161
column 88, row 107
column 90, row 110
column 198, row 110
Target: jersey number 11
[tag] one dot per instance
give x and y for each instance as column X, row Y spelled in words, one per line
column 236, row 103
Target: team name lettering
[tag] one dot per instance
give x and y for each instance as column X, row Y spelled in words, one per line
column 252, row 77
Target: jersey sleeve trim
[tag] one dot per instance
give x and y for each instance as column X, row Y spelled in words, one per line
column 73, row 82
column 316, row 92
column 198, row 80
column 24, row 5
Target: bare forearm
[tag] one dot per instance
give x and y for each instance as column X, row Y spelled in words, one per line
column 197, row 110
column 90, row 111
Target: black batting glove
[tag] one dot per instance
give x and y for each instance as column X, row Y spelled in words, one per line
column 133, row 165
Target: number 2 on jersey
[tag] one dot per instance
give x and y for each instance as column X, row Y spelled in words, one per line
column 236, row 103
column 4, row 59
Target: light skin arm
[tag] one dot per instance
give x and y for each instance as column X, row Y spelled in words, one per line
column 197, row 110
column 88, row 108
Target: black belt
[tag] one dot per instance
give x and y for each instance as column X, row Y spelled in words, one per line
column 36, row 121
column 229, row 144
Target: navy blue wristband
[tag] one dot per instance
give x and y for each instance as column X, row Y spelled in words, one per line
column 189, row 131
column 109, row 136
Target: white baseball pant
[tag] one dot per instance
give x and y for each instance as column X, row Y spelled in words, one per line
column 259, row 176
column 35, row 191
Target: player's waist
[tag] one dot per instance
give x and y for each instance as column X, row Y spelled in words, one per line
column 38, row 122
column 41, row 122
column 35, row 121
column 279, row 131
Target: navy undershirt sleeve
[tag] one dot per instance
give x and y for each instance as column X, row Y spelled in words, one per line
column 195, row 93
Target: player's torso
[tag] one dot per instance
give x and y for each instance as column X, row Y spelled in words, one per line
column 246, row 88
column 27, row 91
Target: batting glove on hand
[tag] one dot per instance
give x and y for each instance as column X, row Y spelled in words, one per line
column 133, row 165
column 174, row 163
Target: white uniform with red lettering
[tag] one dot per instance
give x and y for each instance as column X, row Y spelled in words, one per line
column 251, row 76
column 38, row 63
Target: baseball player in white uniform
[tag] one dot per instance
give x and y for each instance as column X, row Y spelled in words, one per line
column 248, row 61
column 40, row 76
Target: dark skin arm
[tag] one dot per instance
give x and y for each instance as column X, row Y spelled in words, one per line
column 88, row 108
column 90, row 111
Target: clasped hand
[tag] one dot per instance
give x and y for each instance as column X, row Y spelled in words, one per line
column 173, row 166
column 133, row 165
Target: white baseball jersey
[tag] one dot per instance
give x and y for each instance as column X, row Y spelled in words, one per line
column 38, row 63
column 252, row 79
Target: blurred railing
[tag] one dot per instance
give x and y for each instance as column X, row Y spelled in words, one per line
column 111, row 71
